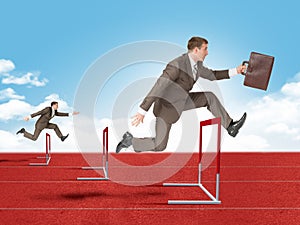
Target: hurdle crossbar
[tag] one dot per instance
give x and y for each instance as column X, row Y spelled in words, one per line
column 47, row 156
column 213, row 199
column 104, row 166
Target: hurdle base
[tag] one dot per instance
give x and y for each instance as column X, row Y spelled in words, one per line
column 92, row 168
column 41, row 164
column 214, row 200
column 94, row 178
column 193, row 202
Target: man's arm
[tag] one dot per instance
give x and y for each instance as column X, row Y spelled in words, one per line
column 61, row 114
column 65, row 114
column 218, row 74
column 211, row 75
column 42, row 112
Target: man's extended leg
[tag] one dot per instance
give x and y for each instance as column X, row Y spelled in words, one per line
column 209, row 100
column 35, row 135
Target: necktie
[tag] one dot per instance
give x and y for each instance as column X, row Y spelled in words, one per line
column 195, row 70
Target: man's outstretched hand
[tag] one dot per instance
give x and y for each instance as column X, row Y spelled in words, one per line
column 137, row 119
column 75, row 113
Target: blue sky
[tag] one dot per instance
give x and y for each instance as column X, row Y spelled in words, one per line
column 58, row 40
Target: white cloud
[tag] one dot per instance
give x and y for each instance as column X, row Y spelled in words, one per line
column 275, row 119
column 9, row 93
column 291, row 89
column 245, row 143
column 28, row 78
column 9, row 141
column 281, row 128
column 14, row 109
column 6, row 66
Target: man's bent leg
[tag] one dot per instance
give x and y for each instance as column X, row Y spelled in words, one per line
column 209, row 100
column 162, row 130
column 159, row 143
column 56, row 129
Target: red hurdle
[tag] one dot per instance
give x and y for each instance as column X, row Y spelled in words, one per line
column 214, row 199
column 47, row 156
column 104, row 166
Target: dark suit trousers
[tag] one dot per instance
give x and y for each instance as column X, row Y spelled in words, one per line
column 38, row 130
column 209, row 100
column 162, row 129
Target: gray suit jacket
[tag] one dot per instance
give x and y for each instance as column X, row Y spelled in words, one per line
column 45, row 117
column 171, row 91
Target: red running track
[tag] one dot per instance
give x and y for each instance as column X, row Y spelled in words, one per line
column 256, row 188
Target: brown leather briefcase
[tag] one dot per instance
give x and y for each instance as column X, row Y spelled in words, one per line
column 258, row 71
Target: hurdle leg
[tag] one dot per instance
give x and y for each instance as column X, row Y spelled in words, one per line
column 104, row 166
column 47, row 156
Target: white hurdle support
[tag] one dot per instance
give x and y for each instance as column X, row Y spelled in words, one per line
column 213, row 199
column 47, row 156
column 104, row 166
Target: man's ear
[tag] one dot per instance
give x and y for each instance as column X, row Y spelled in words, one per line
column 195, row 50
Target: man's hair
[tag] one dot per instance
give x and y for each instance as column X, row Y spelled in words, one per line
column 54, row 103
column 196, row 42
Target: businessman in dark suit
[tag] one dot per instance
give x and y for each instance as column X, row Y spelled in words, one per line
column 171, row 96
column 43, row 122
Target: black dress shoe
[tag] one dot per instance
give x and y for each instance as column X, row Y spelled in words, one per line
column 21, row 131
column 125, row 143
column 234, row 127
column 64, row 137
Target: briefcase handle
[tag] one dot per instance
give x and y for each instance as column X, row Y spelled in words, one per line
column 244, row 63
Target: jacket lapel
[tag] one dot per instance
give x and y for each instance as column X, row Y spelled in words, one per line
column 188, row 68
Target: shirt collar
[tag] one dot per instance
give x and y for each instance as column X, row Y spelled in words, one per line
column 193, row 63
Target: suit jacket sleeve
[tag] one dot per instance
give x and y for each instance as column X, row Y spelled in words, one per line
column 212, row 74
column 170, row 74
column 42, row 112
column 61, row 114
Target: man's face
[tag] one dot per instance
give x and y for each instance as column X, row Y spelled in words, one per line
column 201, row 52
column 55, row 106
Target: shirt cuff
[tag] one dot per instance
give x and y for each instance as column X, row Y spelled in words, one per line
column 142, row 112
column 232, row 72
column 29, row 117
